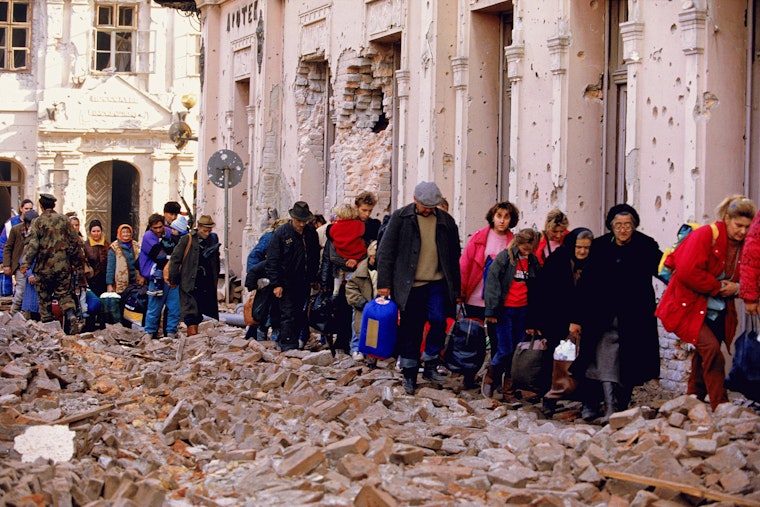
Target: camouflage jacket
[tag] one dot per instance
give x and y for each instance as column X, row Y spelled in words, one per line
column 53, row 245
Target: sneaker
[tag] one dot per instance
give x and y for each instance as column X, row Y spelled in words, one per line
column 357, row 356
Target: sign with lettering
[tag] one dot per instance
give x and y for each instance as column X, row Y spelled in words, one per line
column 243, row 17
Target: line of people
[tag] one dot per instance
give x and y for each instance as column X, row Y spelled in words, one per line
column 557, row 283
column 56, row 269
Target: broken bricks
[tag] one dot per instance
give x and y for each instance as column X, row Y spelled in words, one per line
column 229, row 421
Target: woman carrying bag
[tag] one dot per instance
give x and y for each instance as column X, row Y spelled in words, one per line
column 558, row 293
column 698, row 305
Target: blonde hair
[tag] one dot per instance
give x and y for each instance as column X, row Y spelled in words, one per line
column 556, row 218
column 736, row 206
column 524, row 237
column 372, row 248
column 345, row 212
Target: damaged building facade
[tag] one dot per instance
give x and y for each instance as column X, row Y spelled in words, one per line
column 90, row 90
column 576, row 104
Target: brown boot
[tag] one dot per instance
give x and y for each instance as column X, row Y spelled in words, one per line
column 488, row 385
column 192, row 329
column 511, row 397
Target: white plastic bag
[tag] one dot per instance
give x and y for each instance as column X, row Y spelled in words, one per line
column 566, row 351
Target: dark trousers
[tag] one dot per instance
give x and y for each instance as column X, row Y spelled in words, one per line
column 708, row 364
column 292, row 315
column 56, row 286
column 425, row 304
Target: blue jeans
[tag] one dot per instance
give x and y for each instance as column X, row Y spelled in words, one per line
column 509, row 331
column 156, row 304
column 425, row 304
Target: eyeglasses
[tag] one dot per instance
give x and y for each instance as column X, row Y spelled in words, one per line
column 622, row 227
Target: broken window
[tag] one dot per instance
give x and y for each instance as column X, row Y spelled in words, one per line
column 15, row 31
column 115, row 37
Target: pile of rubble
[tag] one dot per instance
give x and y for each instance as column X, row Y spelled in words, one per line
column 215, row 419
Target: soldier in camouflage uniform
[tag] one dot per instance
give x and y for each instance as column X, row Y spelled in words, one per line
column 55, row 250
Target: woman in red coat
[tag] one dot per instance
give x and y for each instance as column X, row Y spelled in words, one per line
column 698, row 305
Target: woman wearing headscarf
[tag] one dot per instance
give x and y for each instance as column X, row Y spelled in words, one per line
column 558, row 293
column 620, row 344
column 121, row 268
column 698, row 305
column 96, row 255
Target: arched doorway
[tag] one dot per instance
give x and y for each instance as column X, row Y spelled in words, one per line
column 113, row 196
column 11, row 188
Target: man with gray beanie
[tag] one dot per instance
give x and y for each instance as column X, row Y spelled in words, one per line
column 418, row 266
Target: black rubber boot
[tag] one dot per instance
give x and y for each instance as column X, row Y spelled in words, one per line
column 608, row 390
column 410, row 380
column 430, row 372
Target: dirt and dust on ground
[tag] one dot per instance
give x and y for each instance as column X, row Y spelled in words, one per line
column 215, row 419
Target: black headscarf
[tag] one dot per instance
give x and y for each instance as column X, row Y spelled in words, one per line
column 569, row 244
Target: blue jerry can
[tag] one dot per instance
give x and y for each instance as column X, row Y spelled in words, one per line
column 379, row 325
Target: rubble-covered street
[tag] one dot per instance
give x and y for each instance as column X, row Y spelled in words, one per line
column 215, row 419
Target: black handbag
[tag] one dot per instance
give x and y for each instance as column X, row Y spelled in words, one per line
column 528, row 364
column 262, row 302
column 465, row 344
column 320, row 312
column 744, row 376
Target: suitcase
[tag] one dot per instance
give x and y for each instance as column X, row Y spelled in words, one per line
column 378, row 333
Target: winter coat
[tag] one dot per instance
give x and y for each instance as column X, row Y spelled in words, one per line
column 293, row 258
column 347, row 239
column 122, row 269
column 500, row 276
column 557, row 295
column 52, row 245
column 399, row 251
column 750, row 264
column 183, row 269
column 618, row 284
column 14, row 247
column 259, row 253
column 360, row 289
column 473, row 260
column 698, row 264
column 6, row 231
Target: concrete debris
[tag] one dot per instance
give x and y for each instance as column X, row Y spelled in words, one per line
column 55, row 443
column 213, row 419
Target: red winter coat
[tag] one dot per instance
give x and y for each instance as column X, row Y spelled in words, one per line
column 750, row 267
column 698, row 265
column 473, row 259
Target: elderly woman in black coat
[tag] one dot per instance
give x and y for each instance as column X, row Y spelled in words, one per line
column 619, row 348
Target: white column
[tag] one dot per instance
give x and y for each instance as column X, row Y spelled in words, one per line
column 402, row 85
column 515, row 55
column 692, row 24
column 460, row 67
column 558, row 50
column 632, row 33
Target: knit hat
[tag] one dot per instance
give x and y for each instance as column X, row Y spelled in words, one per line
column 30, row 215
column 625, row 209
column 428, row 194
column 180, row 225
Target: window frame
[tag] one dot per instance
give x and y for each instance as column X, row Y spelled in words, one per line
column 112, row 28
column 10, row 26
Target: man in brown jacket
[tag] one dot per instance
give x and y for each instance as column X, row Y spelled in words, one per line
column 14, row 249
